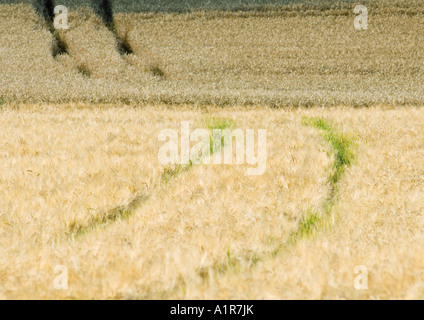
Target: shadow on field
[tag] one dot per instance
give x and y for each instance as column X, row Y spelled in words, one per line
column 102, row 8
column 286, row 53
column 45, row 8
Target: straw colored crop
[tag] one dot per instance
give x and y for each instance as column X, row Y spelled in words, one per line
column 65, row 166
column 211, row 232
column 278, row 56
column 82, row 186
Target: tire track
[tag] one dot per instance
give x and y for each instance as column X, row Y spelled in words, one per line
column 118, row 213
column 342, row 147
column 121, row 212
column 312, row 222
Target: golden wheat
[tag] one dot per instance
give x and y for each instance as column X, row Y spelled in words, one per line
column 279, row 57
column 211, row 232
column 379, row 223
column 81, row 184
column 65, row 165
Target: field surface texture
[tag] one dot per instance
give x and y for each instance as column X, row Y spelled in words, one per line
column 304, row 53
column 82, row 187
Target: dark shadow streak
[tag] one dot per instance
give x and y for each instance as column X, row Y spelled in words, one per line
column 46, row 9
column 103, row 8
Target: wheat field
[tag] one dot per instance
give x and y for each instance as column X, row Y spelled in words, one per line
column 278, row 56
column 211, row 231
column 82, row 186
